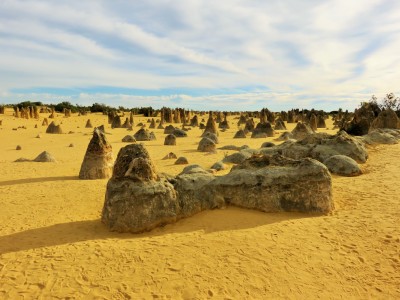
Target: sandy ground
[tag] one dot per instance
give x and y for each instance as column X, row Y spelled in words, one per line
column 53, row 245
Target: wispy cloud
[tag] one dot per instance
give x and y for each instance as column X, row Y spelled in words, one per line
column 308, row 53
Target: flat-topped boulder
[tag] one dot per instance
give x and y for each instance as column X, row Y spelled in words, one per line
column 275, row 183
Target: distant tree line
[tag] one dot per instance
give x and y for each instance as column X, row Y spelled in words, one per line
column 94, row 108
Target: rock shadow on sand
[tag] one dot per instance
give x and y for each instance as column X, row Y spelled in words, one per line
column 37, row 180
column 231, row 218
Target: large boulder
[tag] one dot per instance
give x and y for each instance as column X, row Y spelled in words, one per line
column 188, row 185
column 342, row 165
column 274, row 183
column 137, row 199
column 98, row 161
column 320, row 146
column 379, row 137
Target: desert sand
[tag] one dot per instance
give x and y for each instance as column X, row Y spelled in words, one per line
column 53, row 245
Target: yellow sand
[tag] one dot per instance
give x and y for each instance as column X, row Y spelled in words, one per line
column 53, row 245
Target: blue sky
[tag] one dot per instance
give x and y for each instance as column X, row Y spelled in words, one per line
column 200, row 54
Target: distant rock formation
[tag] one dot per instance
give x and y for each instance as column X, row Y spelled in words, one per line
column 54, row 129
column 170, row 140
column 386, row 119
column 88, row 124
column 45, row 157
column 211, row 126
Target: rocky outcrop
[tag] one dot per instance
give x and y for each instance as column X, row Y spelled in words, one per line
column 381, row 136
column 275, row 183
column 98, row 160
column 138, row 199
column 342, row 165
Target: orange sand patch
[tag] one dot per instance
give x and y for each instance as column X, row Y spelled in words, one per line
column 53, row 245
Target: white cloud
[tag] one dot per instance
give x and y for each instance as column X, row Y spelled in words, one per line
column 298, row 49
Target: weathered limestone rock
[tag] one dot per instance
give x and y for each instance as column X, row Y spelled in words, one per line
column 275, row 183
column 313, row 122
column 211, row 126
column 189, row 185
column 129, row 139
column 240, row 134
column 54, row 129
column 218, row 166
column 88, row 124
column 342, row 165
column 386, row 119
column 170, row 155
column 170, row 140
column 379, row 137
column 362, row 119
column 280, row 124
column 169, row 129
column 321, row 121
column 179, row 133
column 45, row 157
column 181, row 161
column 137, row 199
column 262, row 130
column 98, row 160
column 301, row 131
column 236, row 158
column 206, row 145
column 116, row 122
column 284, row 136
column 144, row 135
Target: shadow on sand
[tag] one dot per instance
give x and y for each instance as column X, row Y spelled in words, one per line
column 35, row 180
column 231, row 218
